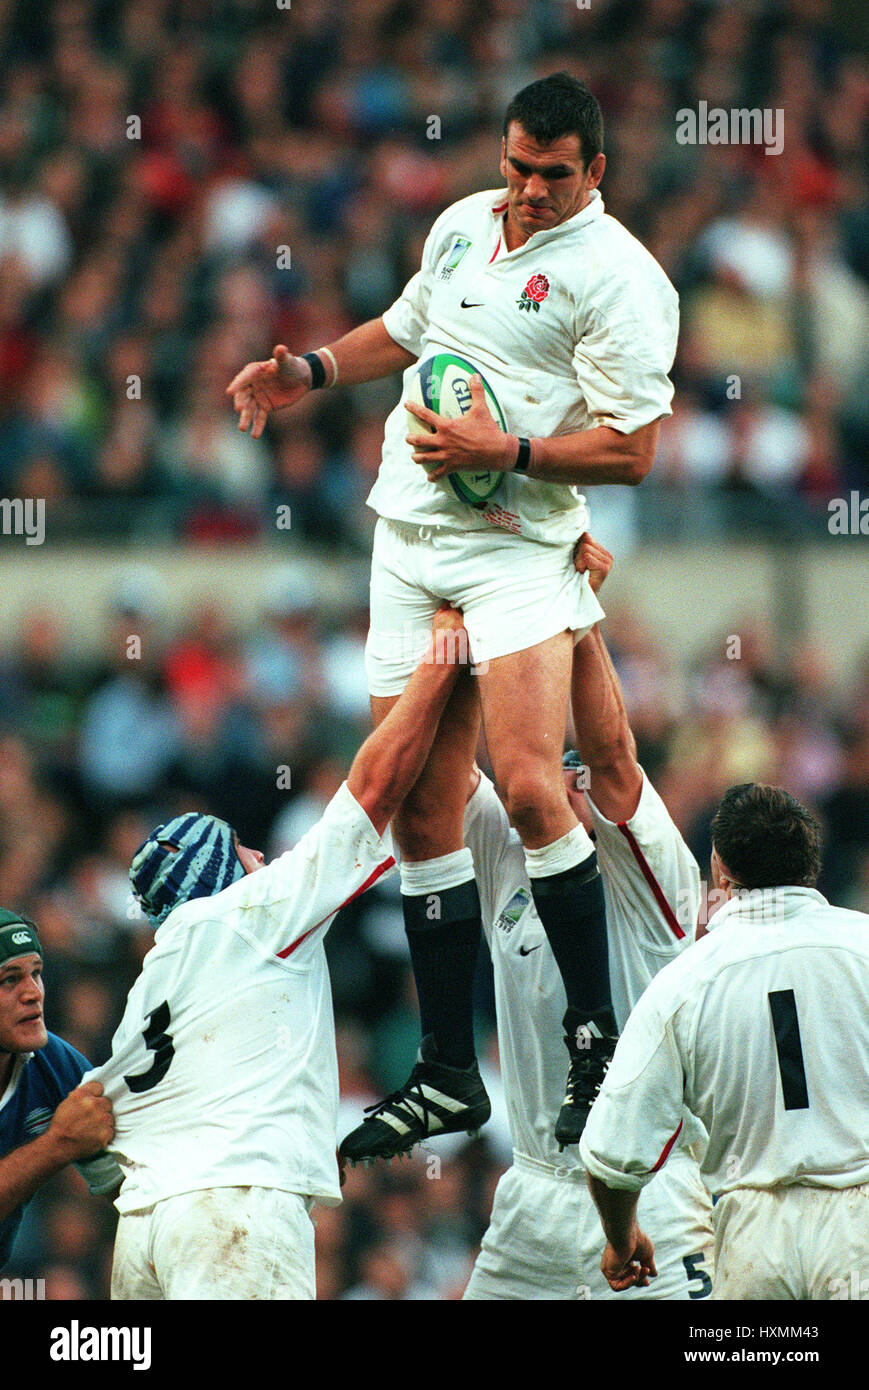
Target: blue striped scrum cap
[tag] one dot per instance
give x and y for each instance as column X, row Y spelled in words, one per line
column 191, row 856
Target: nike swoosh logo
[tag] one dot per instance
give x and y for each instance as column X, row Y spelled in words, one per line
column 526, row 950
column 471, row 306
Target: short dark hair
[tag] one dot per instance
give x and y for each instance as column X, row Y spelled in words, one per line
column 766, row 838
column 558, row 105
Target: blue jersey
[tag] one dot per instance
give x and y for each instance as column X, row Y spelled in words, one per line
column 38, row 1087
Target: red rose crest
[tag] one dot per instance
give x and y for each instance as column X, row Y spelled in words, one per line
column 534, row 293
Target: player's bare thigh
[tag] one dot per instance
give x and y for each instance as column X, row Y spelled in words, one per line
column 524, row 699
column 430, row 822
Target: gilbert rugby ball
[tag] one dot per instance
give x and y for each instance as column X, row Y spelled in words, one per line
column 442, row 383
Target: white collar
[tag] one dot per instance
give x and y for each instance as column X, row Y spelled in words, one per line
column 770, row 905
column 593, row 209
column 17, row 1068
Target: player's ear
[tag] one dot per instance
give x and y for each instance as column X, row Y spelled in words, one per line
column 503, row 165
column 722, row 875
column 596, row 170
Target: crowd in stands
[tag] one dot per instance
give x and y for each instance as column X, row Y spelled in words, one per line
column 186, row 182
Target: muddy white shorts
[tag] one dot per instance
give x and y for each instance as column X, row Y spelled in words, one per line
column 792, row 1242
column 220, row 1243
column 514, row 593
column 545, row 1239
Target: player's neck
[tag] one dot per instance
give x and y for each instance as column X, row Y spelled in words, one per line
column 512, row 234
column 7, row 1062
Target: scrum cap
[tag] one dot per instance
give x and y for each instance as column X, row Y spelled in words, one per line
column 192, row 856
column 17, row 936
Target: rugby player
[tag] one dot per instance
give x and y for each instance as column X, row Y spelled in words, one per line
column 544, row 1238
column 574, row 325
column 47, row 1118
column 761, row 1031
column 223, row 1073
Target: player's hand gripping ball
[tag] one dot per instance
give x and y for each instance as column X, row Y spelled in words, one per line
column 442, row 385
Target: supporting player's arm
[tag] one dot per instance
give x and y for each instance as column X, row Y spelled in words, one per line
column 599, row 455
column 629, row 1257
column 603, row 733
column 364, row 354
column 633, row 1125
column 393, row 756
column 82, row 1125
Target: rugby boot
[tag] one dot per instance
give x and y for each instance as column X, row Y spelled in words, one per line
column 590, row 1057
column 435, row 1099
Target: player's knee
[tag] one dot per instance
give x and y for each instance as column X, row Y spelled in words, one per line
column 532, row 797
column 426, row 827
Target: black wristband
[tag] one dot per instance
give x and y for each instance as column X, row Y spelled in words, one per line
column 523, row 458
column 318, row 371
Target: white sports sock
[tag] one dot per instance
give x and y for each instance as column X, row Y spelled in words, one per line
column 572, row 849
column 436, row 875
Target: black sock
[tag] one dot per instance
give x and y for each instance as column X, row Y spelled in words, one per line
column 571, row 907
column 443, row 932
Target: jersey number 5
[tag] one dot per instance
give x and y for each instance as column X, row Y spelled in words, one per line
column 158, row 1041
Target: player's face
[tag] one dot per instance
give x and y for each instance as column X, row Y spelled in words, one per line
column 546, row 184
column 22, row 1027
column 251, row 859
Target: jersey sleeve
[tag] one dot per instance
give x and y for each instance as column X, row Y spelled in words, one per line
column 406, row 320
column 487, row 835
column 651, row 874
column 291, row 902
column 625, row 349
column 638, row 1114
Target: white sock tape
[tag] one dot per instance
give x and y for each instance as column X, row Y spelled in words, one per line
column 572, row 849
column 436, row 875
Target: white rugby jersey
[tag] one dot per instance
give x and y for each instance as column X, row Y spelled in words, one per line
column 648, row 874
column 223, row 1071
column 762, row 1031
column 576, row 328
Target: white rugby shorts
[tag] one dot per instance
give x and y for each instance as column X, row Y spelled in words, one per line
column 792, row 1242
column 545, row 1240
column 219, row 1243
column 514, row 593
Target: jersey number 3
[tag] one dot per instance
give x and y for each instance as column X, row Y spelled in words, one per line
column 158, row 1041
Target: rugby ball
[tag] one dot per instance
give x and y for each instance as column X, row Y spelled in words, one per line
column 442, row 383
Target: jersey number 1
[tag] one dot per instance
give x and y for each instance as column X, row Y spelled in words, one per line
column 158, row 1041
column 786, row 1027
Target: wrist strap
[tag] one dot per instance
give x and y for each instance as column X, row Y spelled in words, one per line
column 523, row 458
column 327, row 352
column 318, row 371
